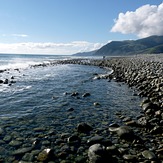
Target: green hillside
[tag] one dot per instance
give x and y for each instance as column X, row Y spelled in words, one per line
column 150, row 45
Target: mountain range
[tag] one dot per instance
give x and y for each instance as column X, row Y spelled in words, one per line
column 148, row 45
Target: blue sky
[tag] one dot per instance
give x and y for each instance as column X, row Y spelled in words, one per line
column 70, row 26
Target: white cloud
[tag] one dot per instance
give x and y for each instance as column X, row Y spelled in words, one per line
column 19, row 35
column 14, row 35
column 145, row 21
column 49, row 47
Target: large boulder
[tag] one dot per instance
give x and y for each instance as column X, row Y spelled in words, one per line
column 97, row 154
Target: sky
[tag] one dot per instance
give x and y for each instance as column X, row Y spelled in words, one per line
column 63, row 27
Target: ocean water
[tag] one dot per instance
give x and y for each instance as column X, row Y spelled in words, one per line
column 35, row 90
column 40, row 97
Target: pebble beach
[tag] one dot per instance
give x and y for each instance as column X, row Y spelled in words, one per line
column 129, row 138
column 139, row 140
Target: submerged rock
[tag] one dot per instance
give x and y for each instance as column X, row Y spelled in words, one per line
column 84, row 127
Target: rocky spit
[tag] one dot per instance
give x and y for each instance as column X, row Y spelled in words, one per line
column 137, row 139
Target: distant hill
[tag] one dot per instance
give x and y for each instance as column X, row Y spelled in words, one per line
column 150, row 45
column 90, row 53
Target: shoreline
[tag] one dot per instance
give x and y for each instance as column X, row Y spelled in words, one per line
column 143, row 74
column 136, row 139
column 139, row 73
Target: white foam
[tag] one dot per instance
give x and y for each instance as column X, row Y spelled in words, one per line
column 6, row 88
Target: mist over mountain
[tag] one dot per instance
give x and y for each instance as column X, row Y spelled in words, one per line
column 90, row 53
column 149, row 45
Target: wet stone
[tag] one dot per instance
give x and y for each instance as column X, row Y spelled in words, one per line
column 46, row 142
column 80, row 159
column 157, row 130
column 142, row 121
column 21, row 151
column 70, row 109
column 84, row 127
column 73, row 139
column 7, row 138
column 86, row 94
column 148, row 155
column 112, row 150
column 15, row 143
column 75, row 94
column 124, row 132
column 39, row 129
column 95, row 140
column 1, row 131
column 28, row 157
column 130, row 157
column 113, row 125
column 45, row 155
column 96, row 104
column 131, row 123
column 126, row 119
column 97, row 153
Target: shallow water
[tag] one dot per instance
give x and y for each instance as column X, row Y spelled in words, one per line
column 41, row 97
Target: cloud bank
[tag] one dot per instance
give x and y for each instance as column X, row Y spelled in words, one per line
column 19, row 35
column 145, row 21
column 49, row 48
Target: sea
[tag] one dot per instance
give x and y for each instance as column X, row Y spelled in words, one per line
column 36, row 90
column 52, row 96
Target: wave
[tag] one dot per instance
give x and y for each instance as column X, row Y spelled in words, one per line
column 5, row 88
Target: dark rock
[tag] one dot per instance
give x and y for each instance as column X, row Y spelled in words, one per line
column 124, row 132
column 142, row 121
column 97, row 154
column 112, row 150
column 29, row 157
column 6, row 81
column 75, row 94
column 45, row 155
column 70, row 109
column 15, row 143
column 126, row 119
column 12, row 81
column 73, row 139
column 22, row 151
column 80, row 159
column 146, row 106
column 95, row 140
column 149, row 155
column 130, row 157
column 157, row 130
column 1, row 131
column 131, row 123
column 96, row 104
column 113, row 125
column 86, row 94
column 84, row 127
